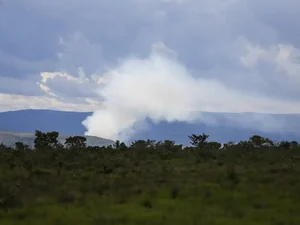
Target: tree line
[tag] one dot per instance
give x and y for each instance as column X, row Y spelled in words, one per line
column 49, row 140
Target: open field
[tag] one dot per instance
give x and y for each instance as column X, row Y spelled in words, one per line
column 150, row 186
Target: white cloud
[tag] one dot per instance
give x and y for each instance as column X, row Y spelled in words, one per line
column 286, row 57
column 47, row 75
column 18, row 102
column 282, row 63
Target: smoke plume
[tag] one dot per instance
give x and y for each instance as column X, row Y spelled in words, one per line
column 160, row 88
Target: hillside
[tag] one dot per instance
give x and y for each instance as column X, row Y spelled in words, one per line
column 9, row 138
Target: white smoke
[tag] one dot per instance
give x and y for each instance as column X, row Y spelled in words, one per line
column 160, row 88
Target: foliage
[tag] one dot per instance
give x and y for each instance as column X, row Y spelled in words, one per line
column 198, row 140
column 148, row 182
column 45, row 140
column 75, row 142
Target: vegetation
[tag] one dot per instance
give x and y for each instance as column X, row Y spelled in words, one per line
column 149, row 182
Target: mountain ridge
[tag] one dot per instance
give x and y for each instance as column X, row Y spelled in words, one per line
column 229, row 126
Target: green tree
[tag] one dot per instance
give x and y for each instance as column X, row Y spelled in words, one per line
column 45, row 140
column 244, row 144
column 17, row 158
column 268, row 143
column 142, row 144
column 119, row 145
column 257, row 141
column 285, row 144
column 294, row 144
column 75, row 142
column 214, row 145
column 198, row 140
column 21, row 146
column 167, row 145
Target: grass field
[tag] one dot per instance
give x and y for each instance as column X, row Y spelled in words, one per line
column 148, row 186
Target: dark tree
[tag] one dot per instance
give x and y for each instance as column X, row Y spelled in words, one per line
column 214, row 145
column 142, row 144
column 198, row 140
column 21, row 146
column 45, row 140
column 120, row 145
column 76, row 142
column 294, row 144
column 285, row 144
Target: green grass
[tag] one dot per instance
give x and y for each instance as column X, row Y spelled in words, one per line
column 143, row 187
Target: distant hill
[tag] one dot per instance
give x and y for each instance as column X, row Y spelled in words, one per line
column 228, row 127
column 10, row 138
column 28, row 121
column 70, row 123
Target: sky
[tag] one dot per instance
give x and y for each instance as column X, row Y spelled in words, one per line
column 166, row 60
